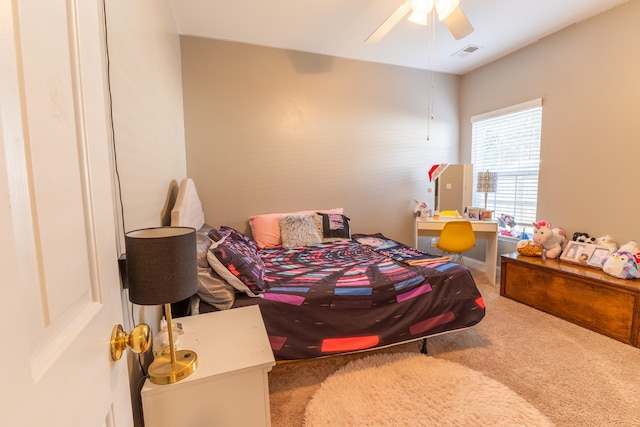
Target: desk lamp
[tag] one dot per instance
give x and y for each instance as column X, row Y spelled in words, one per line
column 162, row 269
column 487, row 183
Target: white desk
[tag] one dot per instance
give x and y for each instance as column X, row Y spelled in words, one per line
column 486, row 230
column 230, row 385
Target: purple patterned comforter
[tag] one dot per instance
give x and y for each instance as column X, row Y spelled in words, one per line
column 344, row 297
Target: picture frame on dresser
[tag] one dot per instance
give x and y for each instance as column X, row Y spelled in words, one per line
column 585, row 254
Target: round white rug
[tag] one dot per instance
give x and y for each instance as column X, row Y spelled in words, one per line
column 409, row 389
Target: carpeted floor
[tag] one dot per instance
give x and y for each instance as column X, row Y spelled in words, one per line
column 572, row 375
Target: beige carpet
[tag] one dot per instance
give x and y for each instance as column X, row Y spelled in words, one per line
column 572, row 375
column 408, row 389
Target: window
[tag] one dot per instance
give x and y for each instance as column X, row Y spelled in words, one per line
column 507, row 141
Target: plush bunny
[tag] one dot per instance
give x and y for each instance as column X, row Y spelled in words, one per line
column 551, row 239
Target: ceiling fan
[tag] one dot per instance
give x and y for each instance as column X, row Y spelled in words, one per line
column 448, row 11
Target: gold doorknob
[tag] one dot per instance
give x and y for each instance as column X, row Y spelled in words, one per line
column 138, row 340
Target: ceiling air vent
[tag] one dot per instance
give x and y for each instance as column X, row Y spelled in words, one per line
column 466, row 51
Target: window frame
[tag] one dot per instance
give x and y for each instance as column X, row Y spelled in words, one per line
column 520, row 174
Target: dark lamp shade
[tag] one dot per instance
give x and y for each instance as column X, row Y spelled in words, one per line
column 161, row 265
column 487, row 182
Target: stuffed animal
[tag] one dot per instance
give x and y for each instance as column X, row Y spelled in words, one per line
column 607, row 242
column 633, row 247
column 623, row 265
column 551, row 239
column 582, row 237
column 529, row 248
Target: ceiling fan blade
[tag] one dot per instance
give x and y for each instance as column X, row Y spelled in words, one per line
column 458, row 24
column 390, row 22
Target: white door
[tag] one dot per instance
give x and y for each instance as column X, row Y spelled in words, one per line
column 59, row 288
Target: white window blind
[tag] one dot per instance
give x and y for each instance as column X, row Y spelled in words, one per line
column 507, row 141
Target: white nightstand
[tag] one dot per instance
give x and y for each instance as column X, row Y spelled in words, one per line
column 230, row 385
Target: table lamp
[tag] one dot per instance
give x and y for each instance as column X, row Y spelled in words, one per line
column 162, row 269
column 487, row 183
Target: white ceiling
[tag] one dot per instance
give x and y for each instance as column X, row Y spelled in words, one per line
column 340, row 27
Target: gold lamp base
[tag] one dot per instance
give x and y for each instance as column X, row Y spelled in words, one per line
column 164, row 371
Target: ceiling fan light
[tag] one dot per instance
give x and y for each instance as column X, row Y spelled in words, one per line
column 418, row 18
column 445, row 8
column 422, row 7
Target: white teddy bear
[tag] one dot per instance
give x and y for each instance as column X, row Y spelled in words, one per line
column 632, row 247
column 607, row 242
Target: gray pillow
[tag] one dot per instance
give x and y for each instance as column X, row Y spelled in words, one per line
column 298, row 230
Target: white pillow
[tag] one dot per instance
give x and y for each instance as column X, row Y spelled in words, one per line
column 187, row 211
column 212, row 289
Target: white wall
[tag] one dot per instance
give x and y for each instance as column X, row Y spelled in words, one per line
column 146, row 87
column 588, row 77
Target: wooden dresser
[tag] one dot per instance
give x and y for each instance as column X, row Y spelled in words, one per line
column 585, row 296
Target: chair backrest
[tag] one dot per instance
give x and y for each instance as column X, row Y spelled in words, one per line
column 457, row 236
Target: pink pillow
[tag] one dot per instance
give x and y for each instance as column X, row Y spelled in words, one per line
column 266, row 228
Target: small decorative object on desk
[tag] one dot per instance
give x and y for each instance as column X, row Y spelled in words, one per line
column 450, row 214
column 486, row 215
column 422, row 209
column 473, row 213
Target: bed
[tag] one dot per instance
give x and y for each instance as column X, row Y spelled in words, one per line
column 329, row 292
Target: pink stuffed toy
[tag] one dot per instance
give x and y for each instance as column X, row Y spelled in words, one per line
column 551, row 239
